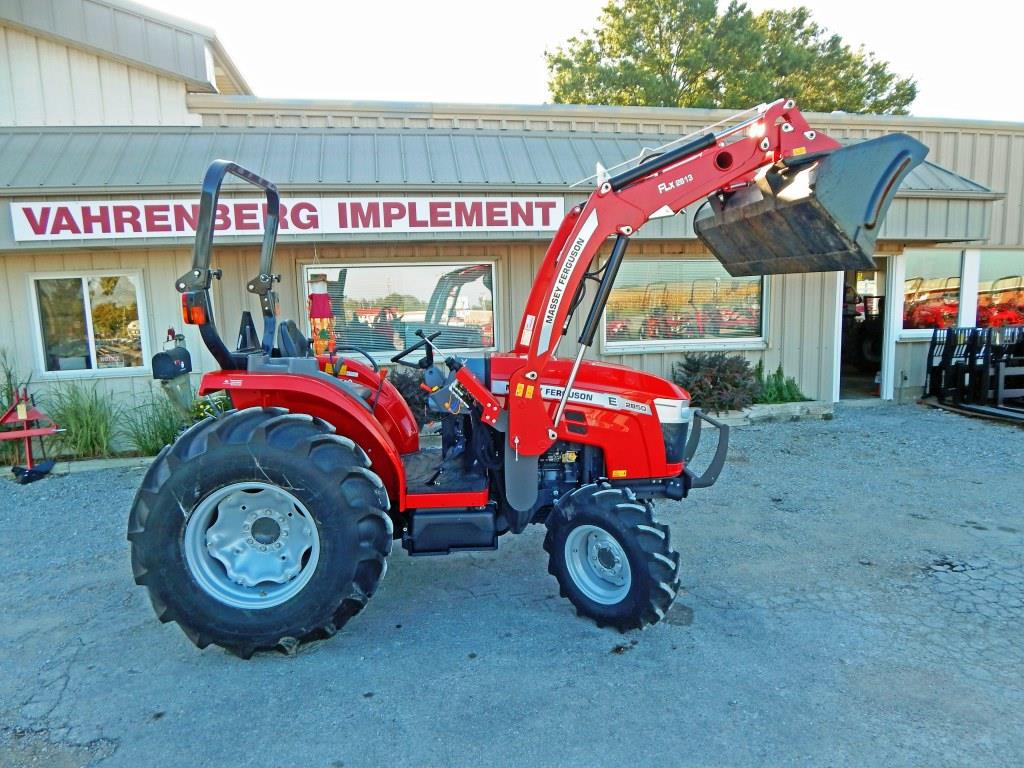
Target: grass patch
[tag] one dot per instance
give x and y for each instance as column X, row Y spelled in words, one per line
column 152, row 425
column 89, row 415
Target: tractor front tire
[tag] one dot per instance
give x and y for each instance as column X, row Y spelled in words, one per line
column 611, row 559
column 260, row 529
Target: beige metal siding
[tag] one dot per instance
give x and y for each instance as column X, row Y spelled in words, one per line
column 46, row 83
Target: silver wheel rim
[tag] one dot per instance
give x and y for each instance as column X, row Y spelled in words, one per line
column 597, row 564
column 251, row 545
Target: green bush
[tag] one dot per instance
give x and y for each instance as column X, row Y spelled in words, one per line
column 153, row 424
column 717, row 381
column 777, row 387
column 89, row 417
column 209, row 405
column 408, row 384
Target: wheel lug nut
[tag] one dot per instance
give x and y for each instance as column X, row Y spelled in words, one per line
column 263, row 548
column 250, row 541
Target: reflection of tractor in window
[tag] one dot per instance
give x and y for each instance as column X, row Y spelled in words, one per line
column 443, row 313
column 389, row 327
column 716, row 315
column 662, row 321
column 935, row 305
column 1002, row 303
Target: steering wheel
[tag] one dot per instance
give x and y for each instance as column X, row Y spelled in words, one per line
column 427, row 360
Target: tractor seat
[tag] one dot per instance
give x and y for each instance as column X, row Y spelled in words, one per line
column 292, row 342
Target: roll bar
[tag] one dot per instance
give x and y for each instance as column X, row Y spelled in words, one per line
column 194, row 285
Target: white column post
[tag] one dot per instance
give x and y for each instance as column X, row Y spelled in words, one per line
column 970, row 265
column 837, row 342
column 895, row 275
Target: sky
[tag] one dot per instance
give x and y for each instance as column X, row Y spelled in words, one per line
column 965, row 56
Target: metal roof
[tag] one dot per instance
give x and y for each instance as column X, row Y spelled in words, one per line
column 115, row 160
column 131, row 33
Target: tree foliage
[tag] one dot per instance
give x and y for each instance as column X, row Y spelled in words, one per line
column 684, row 53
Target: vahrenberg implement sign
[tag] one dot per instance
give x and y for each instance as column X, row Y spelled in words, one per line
column 125, row 219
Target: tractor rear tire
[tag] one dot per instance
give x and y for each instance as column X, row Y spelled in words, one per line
column 260, row 529
column 611, row 559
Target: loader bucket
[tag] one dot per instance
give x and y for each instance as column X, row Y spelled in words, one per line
column 810, row 214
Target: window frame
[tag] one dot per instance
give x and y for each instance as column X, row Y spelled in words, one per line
column 925, row 334
column 741, row 344
column 305, row 267
column 38, row 343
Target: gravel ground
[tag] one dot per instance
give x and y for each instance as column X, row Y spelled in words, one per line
column 854, row 596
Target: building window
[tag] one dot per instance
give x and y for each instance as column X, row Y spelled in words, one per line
column 931, row 292
column 1001, row 289
column 380, row 307
column 682, row 300
column 90, row 323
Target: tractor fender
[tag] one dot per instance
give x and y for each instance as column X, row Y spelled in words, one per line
column 320, row 397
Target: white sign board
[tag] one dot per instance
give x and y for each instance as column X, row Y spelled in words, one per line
column 126, row 219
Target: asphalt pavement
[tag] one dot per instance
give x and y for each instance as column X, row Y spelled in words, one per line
column 853, row 596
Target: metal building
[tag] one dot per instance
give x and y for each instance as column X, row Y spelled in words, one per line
column 110, row 113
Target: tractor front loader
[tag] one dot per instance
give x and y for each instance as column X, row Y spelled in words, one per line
column 270, row 525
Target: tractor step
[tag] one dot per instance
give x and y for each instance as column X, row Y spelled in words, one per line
column 427, row 472
column 443, row 531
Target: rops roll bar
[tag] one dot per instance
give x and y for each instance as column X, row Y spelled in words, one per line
column 194, row 285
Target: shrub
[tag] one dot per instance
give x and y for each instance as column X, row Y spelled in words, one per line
column 89, row 417
column 209, row 405
column 717, row 381
column 777, row 387
column 408, row 384
column 153, row 424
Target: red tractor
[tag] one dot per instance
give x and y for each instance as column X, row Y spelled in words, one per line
column 270, row 525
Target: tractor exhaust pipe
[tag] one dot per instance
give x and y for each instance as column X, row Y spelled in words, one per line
column 812, row 213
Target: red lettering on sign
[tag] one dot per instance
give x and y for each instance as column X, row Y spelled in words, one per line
column 126, row 216
column 440, row 214
column 342, row 216
column 304, row 216
column 522, row 213
column 365, row 217
column 222, row 218
column 101, row 217
column 63, row 221
column 185, row 217
column 469, row 214
column 393, row 211
column 497, row 214
column 38, row 225
column 282, row 216
column 545, row 207
column 414, row 220
column 157, row 218
column 246, row 216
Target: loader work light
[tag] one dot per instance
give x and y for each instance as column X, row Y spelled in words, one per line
column 810, row 213
column 195, row 307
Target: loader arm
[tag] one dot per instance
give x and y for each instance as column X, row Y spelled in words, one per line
column 734, row 158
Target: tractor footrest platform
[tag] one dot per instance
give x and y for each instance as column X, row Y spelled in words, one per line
column 442, row 531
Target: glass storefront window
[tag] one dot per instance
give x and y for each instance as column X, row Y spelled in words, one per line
column 681, row 300
column 1001, row 289
column 89, row 323
column 380, row 307
column 931, row 290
